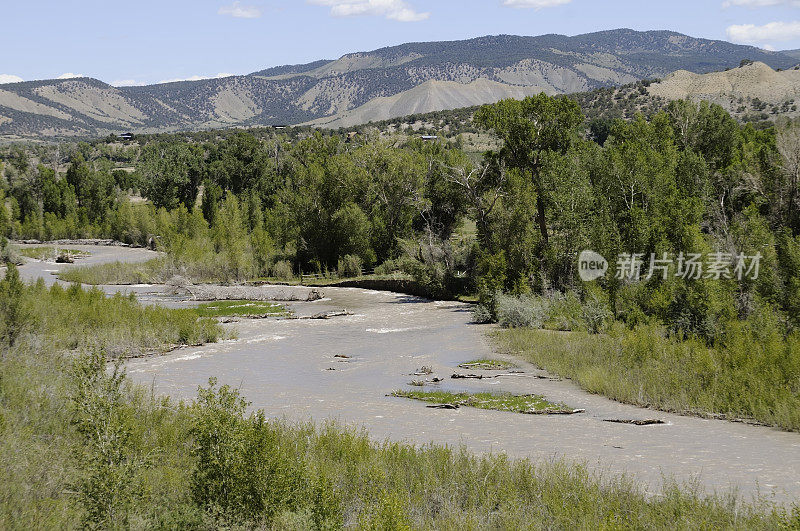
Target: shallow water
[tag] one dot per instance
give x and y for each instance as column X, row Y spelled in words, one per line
column 284, row 367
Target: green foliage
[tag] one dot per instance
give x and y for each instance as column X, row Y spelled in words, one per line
column 499, row 402
column 171, row 173
column 244, row 472
column 75, row 318
column 282, row 270
column 349, row 266
column 521, row 312
column 13, row 308
column 108, row 460
column 751, row 371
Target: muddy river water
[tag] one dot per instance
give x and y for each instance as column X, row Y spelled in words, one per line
column 289, row 369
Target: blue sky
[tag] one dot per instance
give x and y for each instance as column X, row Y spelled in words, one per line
column 147, row 41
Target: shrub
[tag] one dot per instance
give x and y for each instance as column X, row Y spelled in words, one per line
column 521, row 312
column 388, row 267
column 244, row 472
column 565, row 312
column 282, row 270
column 481, row 314
column 12, row 306
column 8, row 254
column 596, row 315
column 107, row 458
column 350, row 266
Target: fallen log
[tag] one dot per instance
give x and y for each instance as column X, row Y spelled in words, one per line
column 634, row 422
column 553, row 411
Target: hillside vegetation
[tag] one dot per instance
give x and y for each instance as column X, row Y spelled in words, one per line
column 385, row 83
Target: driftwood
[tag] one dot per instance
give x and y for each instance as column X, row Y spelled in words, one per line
column 444, row 406
column 326, row 315
column 553, row 411
column 457, row 376
column 647, row 422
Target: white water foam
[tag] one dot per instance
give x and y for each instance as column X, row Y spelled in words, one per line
column 264, row 339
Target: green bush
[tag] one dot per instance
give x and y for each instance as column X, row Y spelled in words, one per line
column 244, row 471
column 481, row 314
column 596, row 315
column 521, row 312
column 388, row 267
column 109, row 485
column 350, row 266
column 282, row 270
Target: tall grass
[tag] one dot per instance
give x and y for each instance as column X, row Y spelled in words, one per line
column 77, row 319
column 81, row 447
column 210, row 465
column 752, row 372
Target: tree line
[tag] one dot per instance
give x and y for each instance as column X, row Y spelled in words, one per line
column 685, row 181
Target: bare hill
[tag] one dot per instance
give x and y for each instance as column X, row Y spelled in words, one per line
column 751, row 87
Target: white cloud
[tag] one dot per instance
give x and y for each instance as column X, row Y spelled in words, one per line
column 197, row 78
column 535, row 4
column 772, row 32
column 10, row 78
column 398, row 10
column 127, row 83
column 759, row 3
column 237, row 10
column 69, row 75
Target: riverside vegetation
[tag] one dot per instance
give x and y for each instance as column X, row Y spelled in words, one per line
column 505, row 226
column 82, row 447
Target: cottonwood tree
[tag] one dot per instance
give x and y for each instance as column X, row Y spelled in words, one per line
column 532, row 129
column 788, row 145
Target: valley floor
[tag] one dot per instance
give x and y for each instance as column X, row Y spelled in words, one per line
column 343, row 368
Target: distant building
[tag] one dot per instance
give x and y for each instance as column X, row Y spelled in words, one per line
column 351, row 135
column 280, row 126
column 125, row 136
column 429, row 138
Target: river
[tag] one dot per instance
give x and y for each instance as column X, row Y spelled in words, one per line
column 290, row 369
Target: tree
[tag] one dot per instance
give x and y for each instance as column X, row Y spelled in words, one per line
column 172, row 173
column 531, row 129
column 788, row 144
column 12, row 307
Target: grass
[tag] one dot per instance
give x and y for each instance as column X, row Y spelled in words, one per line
column 160, row 270
column 50, row 253
column 155, row 271
column 251, row 309
column 499, row 402
column 487, row 365
column 752, row 372
column 76, row 319
column 155, row 463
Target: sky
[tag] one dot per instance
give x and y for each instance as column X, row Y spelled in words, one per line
column 149, row 41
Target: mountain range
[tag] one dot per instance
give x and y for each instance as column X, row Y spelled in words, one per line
column 360, row 87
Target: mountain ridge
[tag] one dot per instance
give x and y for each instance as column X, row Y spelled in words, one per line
column 479, row 70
